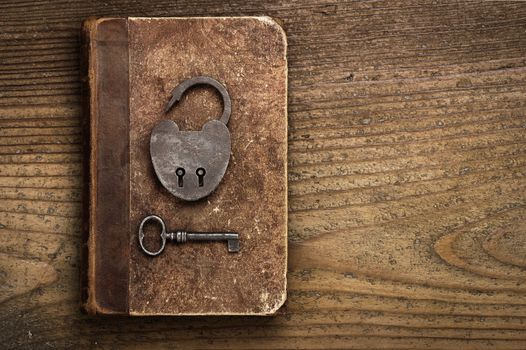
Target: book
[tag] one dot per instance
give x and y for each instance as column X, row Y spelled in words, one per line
column 129, row 68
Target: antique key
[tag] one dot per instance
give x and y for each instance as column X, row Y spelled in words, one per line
column 183, row 237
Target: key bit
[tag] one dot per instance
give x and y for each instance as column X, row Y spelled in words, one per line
column 183, row 237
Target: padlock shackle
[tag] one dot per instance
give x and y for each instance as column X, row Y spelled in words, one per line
column 180, row 89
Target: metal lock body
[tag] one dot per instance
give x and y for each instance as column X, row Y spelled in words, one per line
column 191, row 164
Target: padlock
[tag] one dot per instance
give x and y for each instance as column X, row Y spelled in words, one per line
column 191, row 164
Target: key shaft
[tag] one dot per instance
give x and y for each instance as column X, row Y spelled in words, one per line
column 183, row 237
column 212, row 236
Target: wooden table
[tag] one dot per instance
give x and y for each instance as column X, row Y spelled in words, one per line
column 407, row 179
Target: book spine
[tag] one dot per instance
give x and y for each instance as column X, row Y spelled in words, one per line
column 106, row 229
column 85, row 62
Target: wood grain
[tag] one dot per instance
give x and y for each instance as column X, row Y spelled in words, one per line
column 407, row 195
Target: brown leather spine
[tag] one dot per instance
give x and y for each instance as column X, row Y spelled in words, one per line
column 87, row 26
column 106, row 174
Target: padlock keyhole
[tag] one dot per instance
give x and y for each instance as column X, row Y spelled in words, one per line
column 180, row 174
column 200, row 172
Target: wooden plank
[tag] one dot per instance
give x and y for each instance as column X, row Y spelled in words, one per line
column 406, row 175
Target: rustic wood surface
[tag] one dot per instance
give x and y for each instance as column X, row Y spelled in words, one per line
column 407, row 179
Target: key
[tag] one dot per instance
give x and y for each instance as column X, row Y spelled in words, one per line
column 231, row 238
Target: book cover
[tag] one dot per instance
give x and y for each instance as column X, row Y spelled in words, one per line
column 130, row 66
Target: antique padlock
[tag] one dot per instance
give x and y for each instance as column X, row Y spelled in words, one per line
column 191, row 164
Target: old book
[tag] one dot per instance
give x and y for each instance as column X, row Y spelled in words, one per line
column 130, row 67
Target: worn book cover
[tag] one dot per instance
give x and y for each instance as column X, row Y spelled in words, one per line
column 130, row 66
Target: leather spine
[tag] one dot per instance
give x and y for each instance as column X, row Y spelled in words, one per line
column 105, row 252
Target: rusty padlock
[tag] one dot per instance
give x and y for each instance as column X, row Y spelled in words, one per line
column 191, row 164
